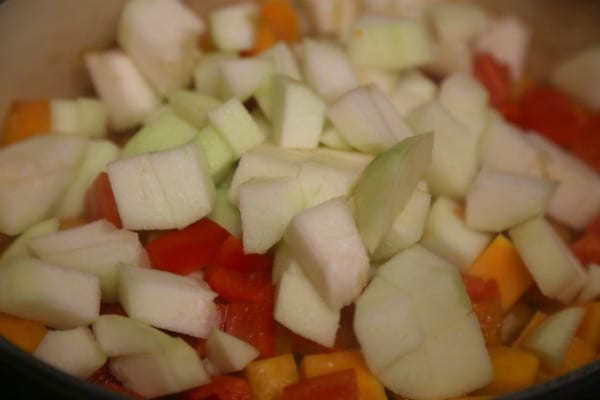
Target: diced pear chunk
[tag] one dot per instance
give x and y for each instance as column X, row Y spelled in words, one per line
column 228, row 353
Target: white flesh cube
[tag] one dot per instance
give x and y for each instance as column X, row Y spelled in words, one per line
column 283, row 60
column 93, row 117
column 20, row 245
column 64, row 116
column 324, row 177
column 163, row 190
column 327, row 244
column 237, row 126
column 327, row 69
column 504, row 147
column 497, row 201
column 164, row 131
column 591, row 288
column 367, row 120
column 425, row 328
column 167, row 301
column 242, row 77
column 386, row 185
column 35, row 290
column 266, row 206
column 173, row 369
column 226, row 214
column 300, row 308
column 297, row 114
column 97, row 248
column 467, row 100
column 384, row 79
column 128, row 97
column 74, row 351
column 161, row 37
column 118, row 335
column 458, row 22
column 192, row 106
column 98, row 154
column 34, row 174
column 407, row 228
column 455, row 150
column 447, row 235
column 550, row 340
column 331, row 138
column 207, row 73
column 577, row 200
column 554, row 268
column 412, row 90
column 264, row 160
column 219, row 155
column 233, row 27
column 228, row 353
column 579, row 75
column 389, row 42
column 507, row 39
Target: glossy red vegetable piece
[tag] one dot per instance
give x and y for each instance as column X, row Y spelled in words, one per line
column 104, row 378
column 552, row 113
column 187, row 250
column 235, row 286
column 494, row 76
column 485, row 299
column 251, row 322
column 587, row 248
column 231, row 255
column 341, row 385
column 480, row 289
column 220, row 388
column 587, row 147
column 100, row 202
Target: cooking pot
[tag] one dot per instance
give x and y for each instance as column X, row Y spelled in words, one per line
column 41, row 47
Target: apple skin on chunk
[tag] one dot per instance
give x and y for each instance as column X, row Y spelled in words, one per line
column 34, row 174
column 32, row 289
column 164, row 190
column 556, row 271
column 74, row 351
column 167, row 301
column 326, row 242
column 386, row 185
column 417, row 330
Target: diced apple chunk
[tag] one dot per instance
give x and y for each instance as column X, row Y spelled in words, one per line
column 327, row 244
column 20, row 246
column 35, row 290
column 173, row 369
column 233, row 27
column 34, row 174
column 497, row 201
column 242, row 77
column 267, row 205
column 228, row 353
column 167, row 301
column 389, row 42
column 386, row 186
column 161, row 37
column 74, row 351
column 447, row 234
column 300, row 308
column 97, row 248
column 554, row 268
column 168, row 189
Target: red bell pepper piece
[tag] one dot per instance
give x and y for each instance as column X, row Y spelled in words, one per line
column 231, row 255
column 100, row 202
column 104, row 378
column 341, row 385
column 485, row 299
column 495, row 77
column 552, row 113
column 587, row 248
column 252, row 323
column 587, row 147
column 187, row 250
column 480, row 289
column 220, row 388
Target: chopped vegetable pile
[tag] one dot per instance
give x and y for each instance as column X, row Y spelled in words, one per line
column 321, row 199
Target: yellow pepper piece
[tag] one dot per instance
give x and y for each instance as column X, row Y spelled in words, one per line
column 514, row 369
column 23, row 333
column 319, row 364
column 501, row 262
column 589, row 329
column 268, row 377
